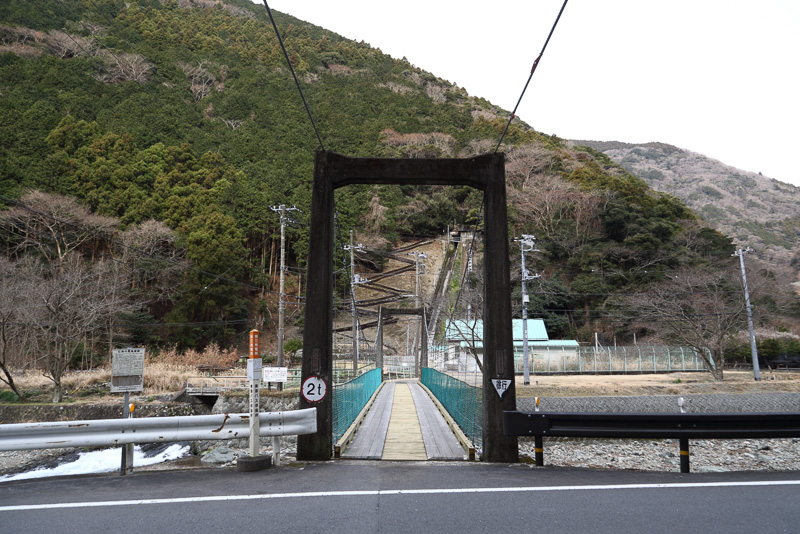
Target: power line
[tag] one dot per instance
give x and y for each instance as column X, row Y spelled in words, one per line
column 533, row 69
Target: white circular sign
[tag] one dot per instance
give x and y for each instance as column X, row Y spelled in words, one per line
column 314, row 389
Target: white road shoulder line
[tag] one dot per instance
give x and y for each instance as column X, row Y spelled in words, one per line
column 443, row 491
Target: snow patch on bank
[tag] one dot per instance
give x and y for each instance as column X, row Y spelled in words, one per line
column 105, row 461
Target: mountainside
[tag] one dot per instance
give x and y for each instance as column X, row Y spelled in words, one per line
column 754, row 210
column 148, row 144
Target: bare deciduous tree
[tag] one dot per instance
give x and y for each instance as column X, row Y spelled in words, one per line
column 121, row 67
column 67, row 304
column 54, row 225
column 65, row 45
column 436, row 93
column 696, row 308
column 200, row 79
column 559, row 212
column 155, row 261
column 12, row 297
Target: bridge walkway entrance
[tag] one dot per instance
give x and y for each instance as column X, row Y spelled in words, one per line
column 404, row 424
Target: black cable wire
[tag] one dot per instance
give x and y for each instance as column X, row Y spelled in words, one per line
column 296, row 81
column 533, row 69
column 154, row 95
column 475, row 227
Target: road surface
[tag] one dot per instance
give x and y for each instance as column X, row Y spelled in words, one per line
column 420, row 497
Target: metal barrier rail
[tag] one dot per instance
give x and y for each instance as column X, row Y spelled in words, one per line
column 112, row 432
column 650, row 426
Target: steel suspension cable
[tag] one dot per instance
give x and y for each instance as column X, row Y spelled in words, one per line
column 533, row 69
column 296, row 81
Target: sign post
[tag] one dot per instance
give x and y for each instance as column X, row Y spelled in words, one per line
column 254, row 462
column 127, row 374
column 254, row 377
column 280, row 376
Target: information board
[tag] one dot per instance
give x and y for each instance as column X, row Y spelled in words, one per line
column 127, row 370
column 275, row 374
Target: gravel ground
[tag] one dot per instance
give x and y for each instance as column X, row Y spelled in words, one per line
column 663, row 455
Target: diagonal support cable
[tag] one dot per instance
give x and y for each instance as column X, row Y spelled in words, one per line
column 296, row 81
column 533, row 69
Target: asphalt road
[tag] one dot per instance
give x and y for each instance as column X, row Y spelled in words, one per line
column 419, row 497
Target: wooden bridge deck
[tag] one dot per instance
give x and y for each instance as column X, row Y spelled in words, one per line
column 404, row 424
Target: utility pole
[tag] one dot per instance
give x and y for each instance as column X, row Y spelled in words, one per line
column 418, row 301
column 354, row 281
column 527, row 243
column 282, row 209
column 753, row 349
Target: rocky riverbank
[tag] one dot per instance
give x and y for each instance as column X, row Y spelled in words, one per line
column 207, row 453
column 663, row 455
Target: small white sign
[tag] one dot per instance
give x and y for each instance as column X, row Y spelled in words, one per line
column 254, row 368
column 275, row 374
column 501, row 385
column 314, row 389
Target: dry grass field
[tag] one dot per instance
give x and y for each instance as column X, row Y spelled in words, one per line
column 167, row 373
column 694, row 383
column 164, row 373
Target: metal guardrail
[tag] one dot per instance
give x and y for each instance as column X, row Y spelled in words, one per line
column 650, row 426
column 112, row 432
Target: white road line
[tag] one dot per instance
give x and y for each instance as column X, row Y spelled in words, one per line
column 443, row 491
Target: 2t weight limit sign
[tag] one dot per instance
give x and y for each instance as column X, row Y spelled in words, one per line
column 314, row 389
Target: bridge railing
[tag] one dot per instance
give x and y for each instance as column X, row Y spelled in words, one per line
column 398, row 367
column 350, row 398
column 462, row 401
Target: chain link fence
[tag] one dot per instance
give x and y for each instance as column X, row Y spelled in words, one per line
column 349, row 399
column 462, row 401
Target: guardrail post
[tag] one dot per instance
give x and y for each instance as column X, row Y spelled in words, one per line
column 127, row 449
column 684, row 446
column 538, row 448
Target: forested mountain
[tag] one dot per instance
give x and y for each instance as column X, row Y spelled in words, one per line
column 754, row 210
column 166, row 131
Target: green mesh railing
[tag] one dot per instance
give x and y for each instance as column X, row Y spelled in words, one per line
column 350, row 398
column 463, row 402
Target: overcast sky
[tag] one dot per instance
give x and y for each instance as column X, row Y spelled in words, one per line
column 711, row 76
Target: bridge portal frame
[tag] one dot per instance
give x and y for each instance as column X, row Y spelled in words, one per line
column 485, row 173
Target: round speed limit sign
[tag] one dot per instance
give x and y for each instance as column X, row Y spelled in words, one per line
column 314, row 389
